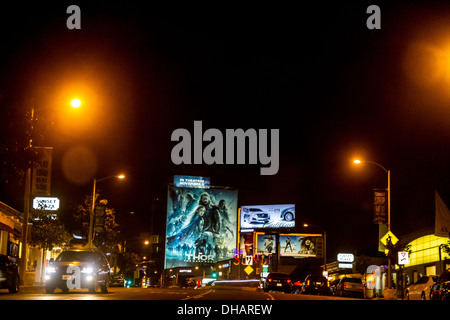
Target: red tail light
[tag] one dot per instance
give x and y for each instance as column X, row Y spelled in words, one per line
column 270, row 280
column 288, row 281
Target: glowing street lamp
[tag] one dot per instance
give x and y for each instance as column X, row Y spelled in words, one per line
column 75, row 103
column 357, row 161
column 91, row 221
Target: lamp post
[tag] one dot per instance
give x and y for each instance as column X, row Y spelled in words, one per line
column 388, row 207
column 27, row 195
column 91, row 219
column 324, row 244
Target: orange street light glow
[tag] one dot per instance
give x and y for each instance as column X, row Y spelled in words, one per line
column 357, row 161
column 76, row 103
column 122, row 176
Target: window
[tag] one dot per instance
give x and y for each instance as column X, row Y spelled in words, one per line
column 426, row 250
column 431, row 270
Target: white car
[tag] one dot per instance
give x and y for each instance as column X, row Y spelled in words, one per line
column 421, row 289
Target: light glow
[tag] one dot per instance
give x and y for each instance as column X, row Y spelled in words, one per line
column 75, row 103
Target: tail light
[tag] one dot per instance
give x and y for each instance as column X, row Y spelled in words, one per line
column 288, row 281
column 328, row 284
column 308, row 282
column 270, row 280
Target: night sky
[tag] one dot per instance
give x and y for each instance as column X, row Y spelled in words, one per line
column 335, row 89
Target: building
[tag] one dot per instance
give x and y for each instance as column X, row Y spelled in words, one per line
column 10, row 231
column 427, row 256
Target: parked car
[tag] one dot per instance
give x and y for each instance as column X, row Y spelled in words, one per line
column 117, row 281
column 255, row 215
column 9, row 274
column 316, row 284
column 349, row 286
column 333, row 285
column 288, row 214
column 90, row 265
column 441, row 289
column 421, row 289
column 278, row 281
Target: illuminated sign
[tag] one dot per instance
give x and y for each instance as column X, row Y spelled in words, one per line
column 46, row 203
column 200, row 226
column 346, row 257
column 298, row 245
column 185, row 271
column 345, row 265
column 268, row 216
column 191, row 182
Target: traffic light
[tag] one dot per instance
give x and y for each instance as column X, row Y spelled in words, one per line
column 214, row 274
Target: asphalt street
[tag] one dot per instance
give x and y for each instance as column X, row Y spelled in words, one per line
column 119, row 293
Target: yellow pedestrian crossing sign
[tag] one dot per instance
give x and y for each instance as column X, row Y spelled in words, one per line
column 389, row 236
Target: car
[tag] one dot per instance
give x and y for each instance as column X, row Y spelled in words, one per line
column 421, row 289
column 9, row 274
column 78, row 269
column 278, row 281
column 349, row 286
column 333, row 285
column 117, row 281
column 441, row 289
column 316, row 284
column 255, row 215
column 296, row 286
column 288, row 214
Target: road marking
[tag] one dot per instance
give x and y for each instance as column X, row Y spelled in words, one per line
column 198, row 295
column 270, row 296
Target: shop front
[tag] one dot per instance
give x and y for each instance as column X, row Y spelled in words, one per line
column 427, row 257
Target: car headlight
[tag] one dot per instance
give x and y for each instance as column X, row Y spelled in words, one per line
column 87, row 270
column 51, row 269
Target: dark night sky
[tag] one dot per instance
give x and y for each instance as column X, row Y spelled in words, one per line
column 334, row 89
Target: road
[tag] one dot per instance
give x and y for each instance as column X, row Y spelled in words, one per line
column 118, row 293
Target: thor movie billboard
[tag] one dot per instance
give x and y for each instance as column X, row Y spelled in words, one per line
column 201, row 225
column 268, row 216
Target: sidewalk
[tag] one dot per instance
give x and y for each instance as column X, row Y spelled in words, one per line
column 30, row 280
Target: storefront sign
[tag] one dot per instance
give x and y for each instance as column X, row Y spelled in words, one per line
column 46, row 203
column 346, row 257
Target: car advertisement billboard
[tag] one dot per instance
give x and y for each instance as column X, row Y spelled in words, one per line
column 201, row 225
column 268, row 216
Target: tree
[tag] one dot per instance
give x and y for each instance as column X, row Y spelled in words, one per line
column 108, row 238
column 47, row 231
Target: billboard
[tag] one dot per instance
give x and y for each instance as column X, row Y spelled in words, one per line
column 266, row 243
column 191, row 182
column 301, row 245
column 268, row 216
column 201, row 225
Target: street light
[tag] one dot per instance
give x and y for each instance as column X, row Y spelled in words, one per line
column 357, row 161
column 75, row 103
column 91, row 220
column 27, row 195
column 306, row 225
